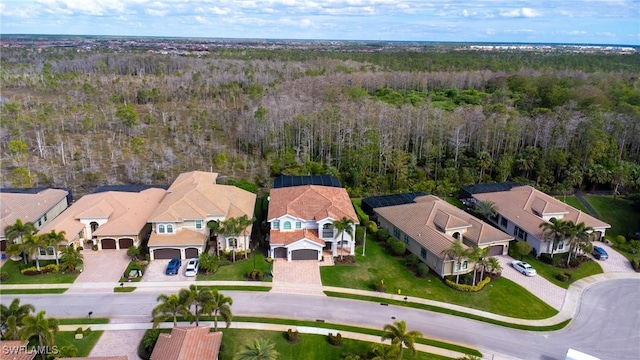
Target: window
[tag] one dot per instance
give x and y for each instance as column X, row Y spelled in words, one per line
column 560, row 245
column 39, row 222
column 276, row 224
column 423, row 253
column 170, row 229
column 503, row 221
column 298, row 225
column 198, row 224
column 287, row 225
column 42, row 251
column 406, row 239
column 232, row 242
column 396, row 232
column 327, row 230
column 50, row 250
column 519, row 233
column 45, row 217
column 160, row 229
column 465, row 265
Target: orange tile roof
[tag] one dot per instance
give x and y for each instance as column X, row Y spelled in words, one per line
column 27, row 207
column 426, row 220
column 277, row 237
column 16, row 350
column 184, row 237
column 525, row 206
column 196, row 196
column 127, row 213
column 311, row 202
column 188, row 343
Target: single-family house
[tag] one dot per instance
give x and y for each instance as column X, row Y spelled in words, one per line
column 109, row 219
column 521, row 210
column 36, row 205
column 301, row 222
column 180, row 223
column 188, row 343
column 430, row 225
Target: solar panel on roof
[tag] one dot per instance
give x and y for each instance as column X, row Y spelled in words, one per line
column 290, row 180
column 126, row 188
column 374, row 202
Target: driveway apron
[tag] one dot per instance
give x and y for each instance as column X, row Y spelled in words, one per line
column 106, row 266
column 297, row 277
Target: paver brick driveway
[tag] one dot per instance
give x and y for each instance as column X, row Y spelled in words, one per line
column 106, row 266
column 156, row 268
column 616, row 262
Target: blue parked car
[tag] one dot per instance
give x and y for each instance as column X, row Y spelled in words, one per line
column 599, row 253
column 173, row 266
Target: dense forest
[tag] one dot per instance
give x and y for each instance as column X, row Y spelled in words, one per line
column 383, row 122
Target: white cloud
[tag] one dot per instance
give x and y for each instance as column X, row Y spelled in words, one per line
column 18, row 12
column 154, row 12
column 575, row 32
column 530, row 13
column 86, row 7
column 524, row 12
column 219, row 11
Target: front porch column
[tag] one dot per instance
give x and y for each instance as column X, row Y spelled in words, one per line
column 353, row 248
column 182, row 254
column 334, row 249
column 288, row 255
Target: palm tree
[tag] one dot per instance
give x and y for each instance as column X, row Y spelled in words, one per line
column 54, row 239
column 555, row 230
column 383, row 352
column 11, row 317
column 484, row 162
column 215, row 227
column 342, row 226
column 71, row 258
column 243, row 223
column 477, row 255
column 231, row 228
column 17, row 231
column 171, row 306
column 580, row 238
column 487, row 208
column 198, row 298
column 258, row 349
column 493, row 265
column 400, row 337
column 32, row 244
column 219, row 305
column 457, row 252
column 41, row 327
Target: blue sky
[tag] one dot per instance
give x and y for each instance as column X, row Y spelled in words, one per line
column 555, row 21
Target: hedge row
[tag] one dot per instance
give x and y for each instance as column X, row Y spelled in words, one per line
column 469, row 288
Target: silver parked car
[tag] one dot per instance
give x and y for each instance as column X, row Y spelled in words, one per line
column 524, row 268
column 192, row 267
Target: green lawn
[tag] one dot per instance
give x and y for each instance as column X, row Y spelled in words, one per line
column 83, row 345
column 502, row 297
column 310, row 347
column 235, row 271
column 620, row 214
column 549, row 272
column 31, row 291
column 15, row 277
column 573, row 201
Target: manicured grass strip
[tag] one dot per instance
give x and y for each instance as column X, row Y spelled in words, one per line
column 355, row 329
column 378, row 265
column 15, row 277
column 237, row 288
column 127, row 289
column 310, row 347
column 573, row 201
column 447, row 311
column 549, row 272
column 82, row 321
column 83, row 345
column 31, row 291
column 235, row 271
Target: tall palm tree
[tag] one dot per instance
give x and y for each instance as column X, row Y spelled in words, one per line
column 457, row 252
column 32, row 245
column 555, row 231
column 484, row 162
column 477, row 255
column 71, row 258
column 342, row 226
column 231, row 229
column 41, row 327
column 11, row 317
column 54, row 239
column 400, row 337
column 487, row 208
column 258, row 349
column 243, row 223
column 215, row 227
column 219, row 305
column 384, row 352
column 19, row 230
column 198, row 298
column 581, row 236
column 170, row 307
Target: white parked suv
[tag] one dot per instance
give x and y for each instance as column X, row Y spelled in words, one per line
column 192, row 267
column 524, row 268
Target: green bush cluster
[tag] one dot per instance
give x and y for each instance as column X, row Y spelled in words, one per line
column 422, row 270
column 51, row 268
column 4, row 276
column 564, row 276
column 335, row 340
column 382, row 234
column 469, row 288
column 293, row 336
column 254, row 274
column 635, row 263
column 380, row 286
column 398, row 248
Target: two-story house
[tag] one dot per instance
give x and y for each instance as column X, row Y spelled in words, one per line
column 429, row 226
column 521, row 210
column 301, row 222
column 180, row 223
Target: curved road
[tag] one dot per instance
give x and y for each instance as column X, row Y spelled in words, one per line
column 606, row 325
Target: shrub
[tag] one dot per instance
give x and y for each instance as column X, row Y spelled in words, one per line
column 398, row 248
column 255, row 274
column 147, row 343
column 79, row 330
column 382, row 234
column 635, row 263
column 380, row 287
column 411, row 260
column 30, row 271
column 422, row 270
column 562, row 277
column 372, row 227
column 335, row 340
column 468, row 288
column 545, row 258
column 94, row 247
column 51, row 268
column 87, row 332
column 4, row 276
column 293, row 337
column 359, row 234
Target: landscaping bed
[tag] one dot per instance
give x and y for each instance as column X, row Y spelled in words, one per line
column 12, row 268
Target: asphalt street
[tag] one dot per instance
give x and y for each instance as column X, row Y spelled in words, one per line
column 606, row 325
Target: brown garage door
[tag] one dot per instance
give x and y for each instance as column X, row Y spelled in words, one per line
column 3, row 245
column 496, row 250
column 305, row 254
column 191, row 253
column 108, row 243
column 166, row 253
column 280, row 253
column 125, row 243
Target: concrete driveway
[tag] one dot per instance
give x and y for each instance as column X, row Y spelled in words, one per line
column 616, row 262
column 106, row 266
column 156, row 268
column 297, row 277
